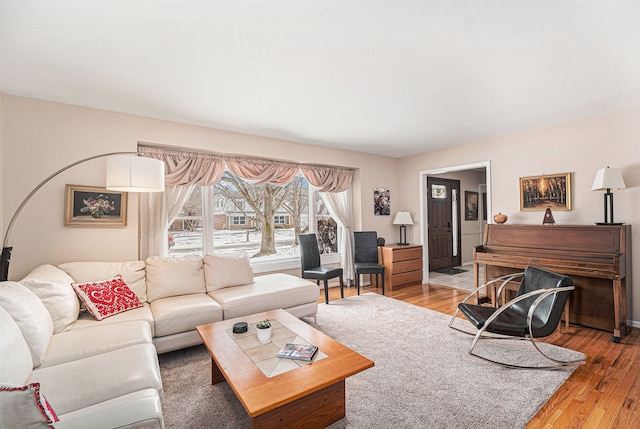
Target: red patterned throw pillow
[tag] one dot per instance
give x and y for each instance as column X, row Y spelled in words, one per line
column 107, row 297
column 25, row 406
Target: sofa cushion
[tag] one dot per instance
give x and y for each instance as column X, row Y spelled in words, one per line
column 30, row 315
column 85, row 320
column 174, row 276
column 17, row 362
column 222, row 271
column 82, row 343
column 81, row 383
column 107, row 297
column 132, row 272
column 53, row 287
column 25, row 407
column 268, row 292
column 183, row 313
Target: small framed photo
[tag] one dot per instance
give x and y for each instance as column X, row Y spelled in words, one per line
column 381, row 202
column 548, row 191
column 470, row 205
column 90, row 206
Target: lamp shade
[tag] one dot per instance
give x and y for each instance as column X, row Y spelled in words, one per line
column 135, row 174
column 403, row 218
column 608, row 178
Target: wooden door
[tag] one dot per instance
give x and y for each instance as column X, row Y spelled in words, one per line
column 441, row 194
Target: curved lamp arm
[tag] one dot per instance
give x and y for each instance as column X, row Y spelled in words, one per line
column 6, row 250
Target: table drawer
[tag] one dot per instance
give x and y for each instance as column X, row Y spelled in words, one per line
column 407, row 254
column 405, row 266
column 406, row 278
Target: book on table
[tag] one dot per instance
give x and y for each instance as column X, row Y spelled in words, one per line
column 298, row 351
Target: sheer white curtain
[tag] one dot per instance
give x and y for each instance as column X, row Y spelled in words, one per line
column 158, row 212
column 340, row 207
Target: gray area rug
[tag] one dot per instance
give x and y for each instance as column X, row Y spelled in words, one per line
column 422, row 378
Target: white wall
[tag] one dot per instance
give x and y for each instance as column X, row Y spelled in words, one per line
column 41, row 137
column 580, row 147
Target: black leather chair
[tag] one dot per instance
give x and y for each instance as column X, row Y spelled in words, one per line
column 311, row 268
column 535, row 312
column 365, row 259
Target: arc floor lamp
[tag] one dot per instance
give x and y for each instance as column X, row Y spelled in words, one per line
column 126, row 172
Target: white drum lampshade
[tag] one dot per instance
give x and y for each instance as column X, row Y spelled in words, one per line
column 135, row 174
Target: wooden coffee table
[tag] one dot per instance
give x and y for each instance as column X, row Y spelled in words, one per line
column 311, row 395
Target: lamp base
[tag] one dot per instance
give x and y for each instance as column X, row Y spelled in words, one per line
column 402, row 244
column 609, row 223
column 4, row 263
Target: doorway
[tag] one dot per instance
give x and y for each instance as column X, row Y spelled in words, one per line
column 443, row 210
column 483, row 166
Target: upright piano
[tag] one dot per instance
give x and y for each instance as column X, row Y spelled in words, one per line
column 597, row 257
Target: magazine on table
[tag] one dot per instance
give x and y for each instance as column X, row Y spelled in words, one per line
column 298, row 351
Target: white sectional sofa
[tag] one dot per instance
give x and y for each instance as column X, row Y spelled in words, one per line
column 104, row 373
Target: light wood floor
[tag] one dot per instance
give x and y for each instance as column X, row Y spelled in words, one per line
column 603, row 393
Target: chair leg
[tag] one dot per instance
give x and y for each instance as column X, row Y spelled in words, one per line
column 381, row 275
column 326, row 291
column 358, row 282
column 341, row 287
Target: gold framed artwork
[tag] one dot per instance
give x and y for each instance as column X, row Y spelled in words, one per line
column 90, row 206
column 547, row 191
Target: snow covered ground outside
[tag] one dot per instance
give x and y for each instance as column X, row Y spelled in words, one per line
column 232, row 241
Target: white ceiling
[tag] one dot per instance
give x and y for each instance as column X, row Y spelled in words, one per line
column 392, row 78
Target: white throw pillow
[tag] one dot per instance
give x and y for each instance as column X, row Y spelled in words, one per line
column 25, row 407
column 222, row 271
column 30, row 315
column 53, row 287
column 168, row 277
column 132, row 272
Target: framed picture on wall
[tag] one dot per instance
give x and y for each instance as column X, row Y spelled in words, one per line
column 381, row 202
column 547, row 191
column 470, row 205
column 90, row 206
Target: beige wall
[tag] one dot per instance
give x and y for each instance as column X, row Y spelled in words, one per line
column 580, row 147
column 41, row 137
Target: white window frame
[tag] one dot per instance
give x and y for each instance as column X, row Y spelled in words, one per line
column 261, row 266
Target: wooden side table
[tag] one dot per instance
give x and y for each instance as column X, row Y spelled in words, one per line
column 402, row 265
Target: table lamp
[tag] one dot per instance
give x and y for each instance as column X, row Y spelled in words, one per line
column 608, row 179
column 402, row 219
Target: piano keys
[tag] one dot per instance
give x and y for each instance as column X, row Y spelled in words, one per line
column 594, row 256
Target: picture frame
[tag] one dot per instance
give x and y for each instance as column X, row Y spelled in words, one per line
column 381, row 202
column 545, row 191
column 91, row 206
column 470, row 205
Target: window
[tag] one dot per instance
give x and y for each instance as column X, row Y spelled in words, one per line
column 261, row 221
column 239, row 220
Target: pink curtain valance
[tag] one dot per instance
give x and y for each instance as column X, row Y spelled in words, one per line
column 187, row 168
column 328, row 179
column 257, row 171
column 201, row 168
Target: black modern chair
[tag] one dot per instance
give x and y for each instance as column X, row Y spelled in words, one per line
column 311, row 268
column 535, row 312
column 365, row 259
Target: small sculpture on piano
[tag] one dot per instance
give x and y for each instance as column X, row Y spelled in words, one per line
column 548, row 217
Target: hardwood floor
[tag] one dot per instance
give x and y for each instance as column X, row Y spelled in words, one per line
column 603, row 393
